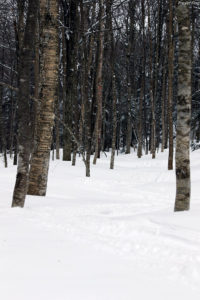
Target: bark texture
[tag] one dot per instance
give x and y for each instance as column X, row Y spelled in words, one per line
column 71, row 22
column 25, row 62
column 170, row 86
column 88, row 46
column 99, row 84
column 142, row 90
column 152, row 94
column 114, row 90
column 47, row 93
column 131, row 37
column 163, row 111
column 183, row 109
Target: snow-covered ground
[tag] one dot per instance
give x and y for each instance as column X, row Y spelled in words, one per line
column 113, row 236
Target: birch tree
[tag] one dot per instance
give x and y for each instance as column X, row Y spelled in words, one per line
column 182, row 201
column 47, row 93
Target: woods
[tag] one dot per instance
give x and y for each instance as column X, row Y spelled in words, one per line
column 99, row 149
column 90, row 77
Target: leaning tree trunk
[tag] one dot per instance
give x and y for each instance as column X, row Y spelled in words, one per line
column 48, row 83
column 25, row 63
column 183, row 109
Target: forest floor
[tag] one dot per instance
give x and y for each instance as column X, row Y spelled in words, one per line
column 113, row 236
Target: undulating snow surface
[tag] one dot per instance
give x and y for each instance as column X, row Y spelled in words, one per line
column 113, row 236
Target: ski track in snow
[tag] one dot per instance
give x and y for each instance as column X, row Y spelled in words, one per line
column 127, row 211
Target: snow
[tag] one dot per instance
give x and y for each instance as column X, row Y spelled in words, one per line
column 113, row 236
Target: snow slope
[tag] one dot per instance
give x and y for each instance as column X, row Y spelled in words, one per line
column 113, row 236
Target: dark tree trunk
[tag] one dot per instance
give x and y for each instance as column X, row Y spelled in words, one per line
column 71, row 22
column 25, row 63
column 142, row 90
column 99, row 84
column 170, row 85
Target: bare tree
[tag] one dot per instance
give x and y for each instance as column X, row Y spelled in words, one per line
column 47, row 93
column 99, row 84
column 25, row 63
column 182, row 201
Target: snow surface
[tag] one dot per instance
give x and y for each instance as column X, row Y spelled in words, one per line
column 113, row 236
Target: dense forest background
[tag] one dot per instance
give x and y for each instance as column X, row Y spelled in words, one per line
column 90, row 76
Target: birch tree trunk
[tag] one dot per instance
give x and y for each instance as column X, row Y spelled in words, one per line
column 182, row 201
column 48, row 83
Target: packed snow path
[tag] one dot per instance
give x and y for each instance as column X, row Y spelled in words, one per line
column 113, row 236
